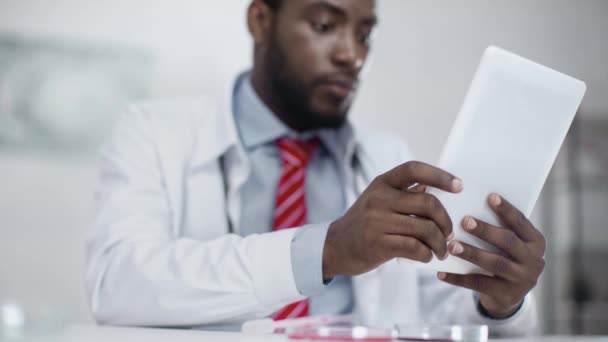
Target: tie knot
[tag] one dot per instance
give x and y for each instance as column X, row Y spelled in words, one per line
column 297, row 153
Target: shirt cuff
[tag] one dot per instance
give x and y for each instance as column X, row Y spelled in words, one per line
column 521, row 323
column 307, row 258
column 482, row 311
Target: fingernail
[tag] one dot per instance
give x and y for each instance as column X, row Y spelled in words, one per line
column 457, row 248
column 441, row 275
column 451, row 236
column 469, row 223
column 456, row 184
column 495, row 200
column 446, row 255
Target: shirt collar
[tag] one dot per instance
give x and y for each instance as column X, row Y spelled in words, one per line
column 257, row 125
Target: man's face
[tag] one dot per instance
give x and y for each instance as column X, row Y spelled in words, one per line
column 315, row 55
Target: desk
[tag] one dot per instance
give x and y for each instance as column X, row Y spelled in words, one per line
column 92, row 333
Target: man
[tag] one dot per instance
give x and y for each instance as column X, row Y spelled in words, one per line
column 197, row 197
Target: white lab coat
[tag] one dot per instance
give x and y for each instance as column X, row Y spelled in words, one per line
column 160, row 252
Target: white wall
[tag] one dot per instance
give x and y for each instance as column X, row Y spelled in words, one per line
column 427, row 51
column 45, row 204
column 425, row 55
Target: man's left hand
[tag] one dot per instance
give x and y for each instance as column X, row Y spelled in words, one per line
column 515, row 273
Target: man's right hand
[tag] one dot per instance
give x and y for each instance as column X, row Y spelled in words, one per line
column 388, row 221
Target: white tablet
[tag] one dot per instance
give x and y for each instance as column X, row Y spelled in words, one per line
column 505, row 139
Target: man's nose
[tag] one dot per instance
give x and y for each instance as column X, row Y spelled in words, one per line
column 347, row 52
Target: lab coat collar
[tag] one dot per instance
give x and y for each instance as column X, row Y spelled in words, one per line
column 218, row 135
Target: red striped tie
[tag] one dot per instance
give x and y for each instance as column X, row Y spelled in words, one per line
column 290, row 206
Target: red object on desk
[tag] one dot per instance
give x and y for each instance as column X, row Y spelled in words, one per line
column 303, row 337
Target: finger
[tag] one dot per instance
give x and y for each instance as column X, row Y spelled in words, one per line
column 407, row 247
column 476, row 282
column 406, row 175
column 502, row 238
column 514, row 218
column 417, row 188
column 491, row 262
column 423, row 205
column 422, row 229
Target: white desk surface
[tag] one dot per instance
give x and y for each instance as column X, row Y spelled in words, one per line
column 92, row 333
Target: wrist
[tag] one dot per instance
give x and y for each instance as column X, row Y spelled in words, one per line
column 328, row 255
column 495, row 311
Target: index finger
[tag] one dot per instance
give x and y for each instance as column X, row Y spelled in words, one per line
column 410, row 173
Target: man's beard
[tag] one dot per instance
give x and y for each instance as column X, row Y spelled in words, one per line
column 294, row 96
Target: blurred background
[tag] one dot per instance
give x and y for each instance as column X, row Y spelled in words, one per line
column 68, row 66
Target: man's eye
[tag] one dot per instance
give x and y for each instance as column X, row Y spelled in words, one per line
column 365, row 38
column 322, row 27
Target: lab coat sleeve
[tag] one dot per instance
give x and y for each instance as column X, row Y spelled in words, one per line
column 139, row 273
column 442, row 303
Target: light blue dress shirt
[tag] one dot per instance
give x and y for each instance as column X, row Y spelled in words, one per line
column 258, row 128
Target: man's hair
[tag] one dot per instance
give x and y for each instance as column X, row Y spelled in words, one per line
column 273, row 4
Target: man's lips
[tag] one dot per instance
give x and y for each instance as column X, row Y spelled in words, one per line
column 340, row 88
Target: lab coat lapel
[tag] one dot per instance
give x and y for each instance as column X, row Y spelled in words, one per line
column 383, row 295
column 218, row 142
column 366, row 287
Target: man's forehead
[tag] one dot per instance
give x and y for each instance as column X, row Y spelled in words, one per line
column 359, row 8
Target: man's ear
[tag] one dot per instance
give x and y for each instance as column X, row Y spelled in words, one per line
column 259, row 21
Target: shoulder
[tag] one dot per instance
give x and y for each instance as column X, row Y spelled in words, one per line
column 168, row 128
column 174, row 121
column 172, row 112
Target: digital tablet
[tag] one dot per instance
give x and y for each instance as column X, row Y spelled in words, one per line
column 505, row 139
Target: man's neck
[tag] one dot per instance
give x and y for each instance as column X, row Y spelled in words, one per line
column 261, row 85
